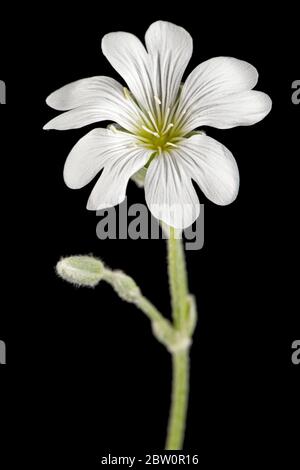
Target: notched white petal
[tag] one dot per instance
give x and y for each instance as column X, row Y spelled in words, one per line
column 128, row 56
column 92, row 152
column 76, row 118
column 169, row 192
column 219, row 93
column 170, row 48
column 212, row 166
column 110, row 189
column 237, row 109
column 83, row 92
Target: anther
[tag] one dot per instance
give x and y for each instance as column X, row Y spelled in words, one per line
column 157, row 99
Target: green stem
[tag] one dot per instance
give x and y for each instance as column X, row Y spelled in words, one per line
column 127, row 290
column 177, row 279
column 180, row 391
column 150, row 311
column 180, row 359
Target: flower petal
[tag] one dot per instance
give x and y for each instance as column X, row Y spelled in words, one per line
column 218, row 76
column 169, row 192
column 98, row 148
column 217, row 93
column 92, row 100
column 83, row 92
column 170, row 48
column 212, row 166
column 239, row 109
column 128, row 56
column 110, row 189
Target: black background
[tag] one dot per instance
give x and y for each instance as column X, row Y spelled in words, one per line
column 84, row 374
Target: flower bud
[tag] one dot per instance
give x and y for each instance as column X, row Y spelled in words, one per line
column 81, row 270
column 124, row 285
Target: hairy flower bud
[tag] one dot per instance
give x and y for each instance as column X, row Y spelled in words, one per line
column 124, row 285
column 81, row 270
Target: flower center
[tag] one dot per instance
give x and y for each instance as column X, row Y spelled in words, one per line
column 157, row 129
column 159, row 139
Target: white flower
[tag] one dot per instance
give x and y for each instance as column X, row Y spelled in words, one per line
column 156, row 122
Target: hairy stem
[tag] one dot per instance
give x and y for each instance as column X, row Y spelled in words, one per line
column 180, row 359
column 177, row 279
column 179, row 401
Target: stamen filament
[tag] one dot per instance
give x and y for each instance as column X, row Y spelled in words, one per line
column 150, row 131
column 152, row 120
column 172, row 145
column 144, row 140
column 168, row 128
column 165, row 123
column 157, row 121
